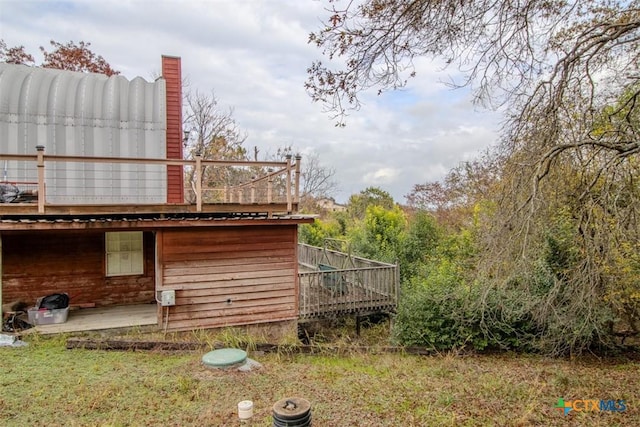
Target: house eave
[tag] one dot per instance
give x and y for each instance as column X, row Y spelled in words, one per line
column 148, row 221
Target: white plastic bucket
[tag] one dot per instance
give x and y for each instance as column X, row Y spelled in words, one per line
column 245, row 409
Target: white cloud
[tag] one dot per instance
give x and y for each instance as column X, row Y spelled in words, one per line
column 383, row 175
column 254, row 55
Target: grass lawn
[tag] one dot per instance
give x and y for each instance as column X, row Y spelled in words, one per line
column 46, row 384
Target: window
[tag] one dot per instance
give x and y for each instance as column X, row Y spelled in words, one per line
column 124, row 253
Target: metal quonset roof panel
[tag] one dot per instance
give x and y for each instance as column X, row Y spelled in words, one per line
column 85, row 114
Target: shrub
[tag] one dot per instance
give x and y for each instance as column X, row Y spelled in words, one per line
column 314, row 234
column 428, row 318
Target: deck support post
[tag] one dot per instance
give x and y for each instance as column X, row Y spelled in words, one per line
column 41, row 187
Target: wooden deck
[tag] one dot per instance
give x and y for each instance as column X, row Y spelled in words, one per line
column 334, row 284
column 248, row 186
column 95, row 319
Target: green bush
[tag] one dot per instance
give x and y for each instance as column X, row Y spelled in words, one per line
column 430, row 318
column 380, row 235
column 455, row 317
column 314, row 234
column 420, row 244
column 541, row 307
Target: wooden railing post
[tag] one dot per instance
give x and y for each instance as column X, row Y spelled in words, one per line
column 289, row 203
column 270, row 190
column 199, row 182
column 297, row 185
column 41, row 186
column 253, row 190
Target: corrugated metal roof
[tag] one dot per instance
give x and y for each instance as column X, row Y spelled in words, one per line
column 85, row 114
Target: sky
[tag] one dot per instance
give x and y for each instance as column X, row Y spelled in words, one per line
column 253, row 54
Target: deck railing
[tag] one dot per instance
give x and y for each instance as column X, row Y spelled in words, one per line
column 212, row 181
column 333, row 283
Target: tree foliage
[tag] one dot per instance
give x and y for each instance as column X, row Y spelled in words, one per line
column 509, row 51
column 373, row 225
column 421, row 240
column 380, row 235
column 316, row 233
column 63, row 56
column 15, row 55
column 453, row 200
column 556, row 211
column 370, row 196
column 75, row 57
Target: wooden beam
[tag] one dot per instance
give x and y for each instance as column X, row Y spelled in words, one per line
column 142, row 224
column 122, row 345
column 107, row 344
column 21, row 209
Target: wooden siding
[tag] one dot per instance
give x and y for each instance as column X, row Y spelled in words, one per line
column 172, row 73
column 229, row 276
column 42, row 263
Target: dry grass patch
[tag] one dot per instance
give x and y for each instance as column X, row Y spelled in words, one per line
column 45, row 383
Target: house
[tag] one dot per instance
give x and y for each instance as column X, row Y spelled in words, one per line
column 329, row 204
column 94, row 206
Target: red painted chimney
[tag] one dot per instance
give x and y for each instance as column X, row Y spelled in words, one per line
column 172, row 73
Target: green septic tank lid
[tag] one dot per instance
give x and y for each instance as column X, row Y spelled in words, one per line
column 224, row 357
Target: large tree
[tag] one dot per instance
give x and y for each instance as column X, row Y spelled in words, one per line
column 510, row 51
column 559, row 66
column 317, row 181
column 370, row 196
column 453, row 200
column 212, row 132
column 562, row 231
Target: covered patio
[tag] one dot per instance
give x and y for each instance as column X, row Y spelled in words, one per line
column 104, row 318
column 331, row 284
